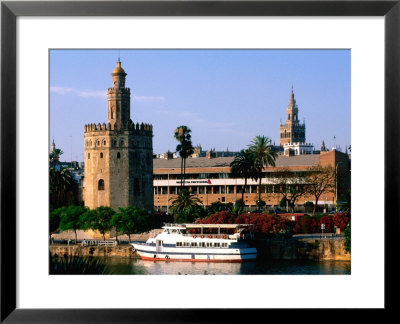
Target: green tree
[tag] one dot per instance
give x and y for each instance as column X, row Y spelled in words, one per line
column 184, row 148
column 183, row 202
column 243, row 167
column 71, row 218
column 238, row 207
column 189, row 214
column 98, row 219
column 61, row 183
column 218, row 206
column 131, row 220
column 54, row 219
column 264, row 156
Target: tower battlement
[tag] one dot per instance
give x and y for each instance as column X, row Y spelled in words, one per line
column 130, row 126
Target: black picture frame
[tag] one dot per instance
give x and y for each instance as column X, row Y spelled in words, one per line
column 10, row 10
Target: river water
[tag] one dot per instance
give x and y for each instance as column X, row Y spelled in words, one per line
column 120, row 265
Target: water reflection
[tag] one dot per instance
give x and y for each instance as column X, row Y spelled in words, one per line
column 258, row 267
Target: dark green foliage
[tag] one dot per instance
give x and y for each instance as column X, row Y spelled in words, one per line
column 264, row 155
column 63, row 188
column 238, row 207
column 190, row 214
column 260, row 203
column 184, row 148
column 54, row 219
column 184, row 200
column 308, row 204
column 131, row 220
column 98, row 219
column 243, row 167
column 218, row 206
column 71, row 218
column 347, row 237
column 78, row 265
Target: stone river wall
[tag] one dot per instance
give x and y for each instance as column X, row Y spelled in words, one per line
column 331, row 249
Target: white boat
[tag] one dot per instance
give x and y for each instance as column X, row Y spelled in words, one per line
column 199, row 242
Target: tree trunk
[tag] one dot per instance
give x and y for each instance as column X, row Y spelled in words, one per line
column 315, row 206
column 244, row 188
column 129, row 238
column 259, row 190
column 76, row 237
column 181, row 172
column 184, row 172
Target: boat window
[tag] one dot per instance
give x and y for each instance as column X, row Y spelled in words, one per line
column 209, row 244
column 216, row 244
column 186, row 244
column 178, row 243
column 173, row 231
column 202, row 244
column 224, row 245
column 194, row 244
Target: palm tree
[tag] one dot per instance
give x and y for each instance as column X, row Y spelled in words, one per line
column 185, row 148
column 243, row 167
column 61, row 185
column 183, row 201
column 264, row 155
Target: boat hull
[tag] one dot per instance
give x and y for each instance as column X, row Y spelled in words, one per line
column 195, row 255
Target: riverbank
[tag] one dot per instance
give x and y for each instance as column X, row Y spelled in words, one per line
column 317, row 249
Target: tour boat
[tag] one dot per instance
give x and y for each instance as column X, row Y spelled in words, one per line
column 199, row 242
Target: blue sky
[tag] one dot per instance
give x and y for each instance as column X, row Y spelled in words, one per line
column 226, row 97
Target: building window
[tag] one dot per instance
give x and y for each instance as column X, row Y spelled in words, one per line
column 100, row 185
column 104, row 142
column 101, row 155
column 88, row 155
column 118, row 155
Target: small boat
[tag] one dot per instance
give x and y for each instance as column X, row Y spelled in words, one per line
column 199, row 242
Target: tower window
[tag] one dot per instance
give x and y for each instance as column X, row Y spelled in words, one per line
column 101, row 155
column 104, row 142
column 118, row 155
column 88, row 155
column 100, row 185
column 122, row 143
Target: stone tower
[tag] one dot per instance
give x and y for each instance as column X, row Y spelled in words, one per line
column 119, row 154
column 292, row 131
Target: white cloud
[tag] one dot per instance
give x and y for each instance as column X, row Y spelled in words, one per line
column 80, row 93
column 61, row 90
column 92, row 93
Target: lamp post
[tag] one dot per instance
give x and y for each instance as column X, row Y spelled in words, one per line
column 336, row 191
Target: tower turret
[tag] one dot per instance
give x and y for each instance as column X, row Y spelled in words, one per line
column 119, row 98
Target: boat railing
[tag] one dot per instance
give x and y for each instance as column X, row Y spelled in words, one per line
column 211, row 236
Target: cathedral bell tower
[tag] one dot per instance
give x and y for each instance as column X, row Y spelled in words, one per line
column 119, row 109
column 292, row 131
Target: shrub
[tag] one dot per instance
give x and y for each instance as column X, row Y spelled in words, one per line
column 341, row 220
